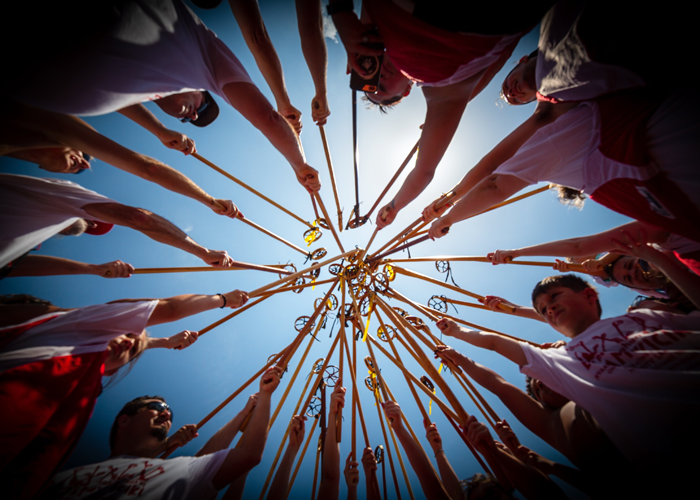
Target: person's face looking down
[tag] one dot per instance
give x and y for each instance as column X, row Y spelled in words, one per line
column 547, row 396
column 122, row 350
column 519, row 87
column 567, row 311
column 392, row 84
column 184, row 105
column 637, row 273
column 62, row 160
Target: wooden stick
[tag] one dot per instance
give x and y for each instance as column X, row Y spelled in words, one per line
column 330, row 224
column 292, row 287
column 393, row 179
column 339, row 421
column 246, row 186
column 450, row 258
column 467, row 304
column 332, row 174
column 296, row 275
column 273, row 235
column 469, row 445
column 238, row 266
column 313, row 485
column 230, row 316
column 351, row 367
column 388, row 449
column 369, row 243
column 423, row 277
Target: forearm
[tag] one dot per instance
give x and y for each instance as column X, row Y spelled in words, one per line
column 46, row 265
column 372, row 491
column 330, row 477
column 504, row 346
column 448, row 476
column 432, row 488
column 280, row 484
column 140, row 114
column 224, row 436
column 235, row 491
column 686, row 280
column 182, row 306
column 352, row 493
column 532, row 483
column 313, row 45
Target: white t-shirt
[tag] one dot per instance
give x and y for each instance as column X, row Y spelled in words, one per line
column 637, row 374
column 157, row 48
column 79, row 331
column 33, row 209
column 127, row 477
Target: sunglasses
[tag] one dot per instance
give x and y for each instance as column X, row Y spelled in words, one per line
column 158, row 406
column 200, row 110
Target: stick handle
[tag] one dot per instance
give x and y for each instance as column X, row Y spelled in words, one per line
column 332, row 174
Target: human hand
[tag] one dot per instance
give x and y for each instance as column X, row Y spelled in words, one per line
column 544, row 465
column 292, row 115
column 337, row 399
column 635, row 246
column 478, row 435
column 177, row 141
column 270, row 379
column 296, row 433
column 352, row 474
column 182, row 340
column 432, row 212
column 448, row 327
column 227, row 208
column 432, row 435
column 493, row 303
column 250, row 404
column 184, row 435
column 356, row 37
column 562, row 266
column 217, row 258
column 501, row 256
column 553, row 345
column 308, row 177
column 446, row 353
column 592, row 265
column 369, row 461
column 236, row 299
column 115, row 269
column 386, row 215
column 439, row 228
column 392, row 410
column 319, row 109
column 506, row 434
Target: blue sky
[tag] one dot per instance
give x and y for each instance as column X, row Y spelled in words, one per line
column 196, row 380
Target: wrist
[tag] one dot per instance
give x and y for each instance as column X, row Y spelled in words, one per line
column 221, row 296
column 95, row 269
column 438, row 452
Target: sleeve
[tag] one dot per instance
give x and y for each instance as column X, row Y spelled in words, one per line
column 544, row 365
column 201, row 471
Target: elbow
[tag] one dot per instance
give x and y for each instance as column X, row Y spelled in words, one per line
column 150, row 169
column 138, row 218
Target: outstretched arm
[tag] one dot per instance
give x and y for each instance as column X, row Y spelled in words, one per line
column 494, row 302
column 504, row 346
column 280, row 484
column 447, row 473
column 352, row 477
column 224, row 436
column 170, row 138
column 369, row 464
column 46, row 265
column 330, row 478
column 249, row 454
column 247, row 99
column 181, row 306
column 313, row 45
column 247, row 14
column 157, row 228
column 432, row 487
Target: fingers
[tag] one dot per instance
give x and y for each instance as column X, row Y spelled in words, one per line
column 229, row 210
column 189, row 146
column 386, row 216
column 271, row 379
column 236, row 299
column 117, row 269
column 218, row 258
column 319, row 110
column 184, row 339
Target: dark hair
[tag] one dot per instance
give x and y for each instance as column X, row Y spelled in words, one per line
column 384, row 107
column 502, row 93
column 468, row 485
column 129, row 409
column 570, row 281
column 528, row 388
column 569, row 196
column 22, row 298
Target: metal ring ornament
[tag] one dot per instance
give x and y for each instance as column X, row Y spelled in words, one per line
column 322, row 223
column 379, row 454
column 319, row 253
column 389, row 271
column 442, row 265
column 369, row 382
column 315, row 273
column 438, row 303
column 335, row 269
column 365, row 303
column 380, row 283
column 318, row 364
column 288, row 267
column 313, row 234
column 349, row 312
column 331, row 303
column 331, row 375
column 315, row 407
column 400, row 311
column 416, row 321
column 301, row 322
column 426, row 382
column 370, row 365
column 300, row 281
column 383, row 336
column 357, row 222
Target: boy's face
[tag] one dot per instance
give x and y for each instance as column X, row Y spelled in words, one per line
column 567, row 311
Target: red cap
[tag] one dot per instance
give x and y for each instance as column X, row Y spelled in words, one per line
column 99, row 228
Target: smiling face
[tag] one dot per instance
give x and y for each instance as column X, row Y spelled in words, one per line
column 520, row 86
column 628, row 271
column 122, row 350
column 182, row 105
column 567, row 311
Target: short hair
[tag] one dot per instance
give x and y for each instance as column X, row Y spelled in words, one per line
column 468, row 485
column 502, row 94
column 129, row 409
column 384, row 107
column 570, row 281
column 570, row 196
column 528, row 387
column 22, row 299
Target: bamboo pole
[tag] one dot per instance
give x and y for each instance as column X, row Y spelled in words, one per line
column 413, row 274
column 273, row 235
column 237, row 266
column 339, row 420
column 388, row 450
column 292, row 287
column 467, row 304
column 332, row 174
column 230, row 316
column 457, row 258
column 402, row 247
column 330, row 224
column 351, row 367
column 313, row 485
column 259, row 291
column 249, row 188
